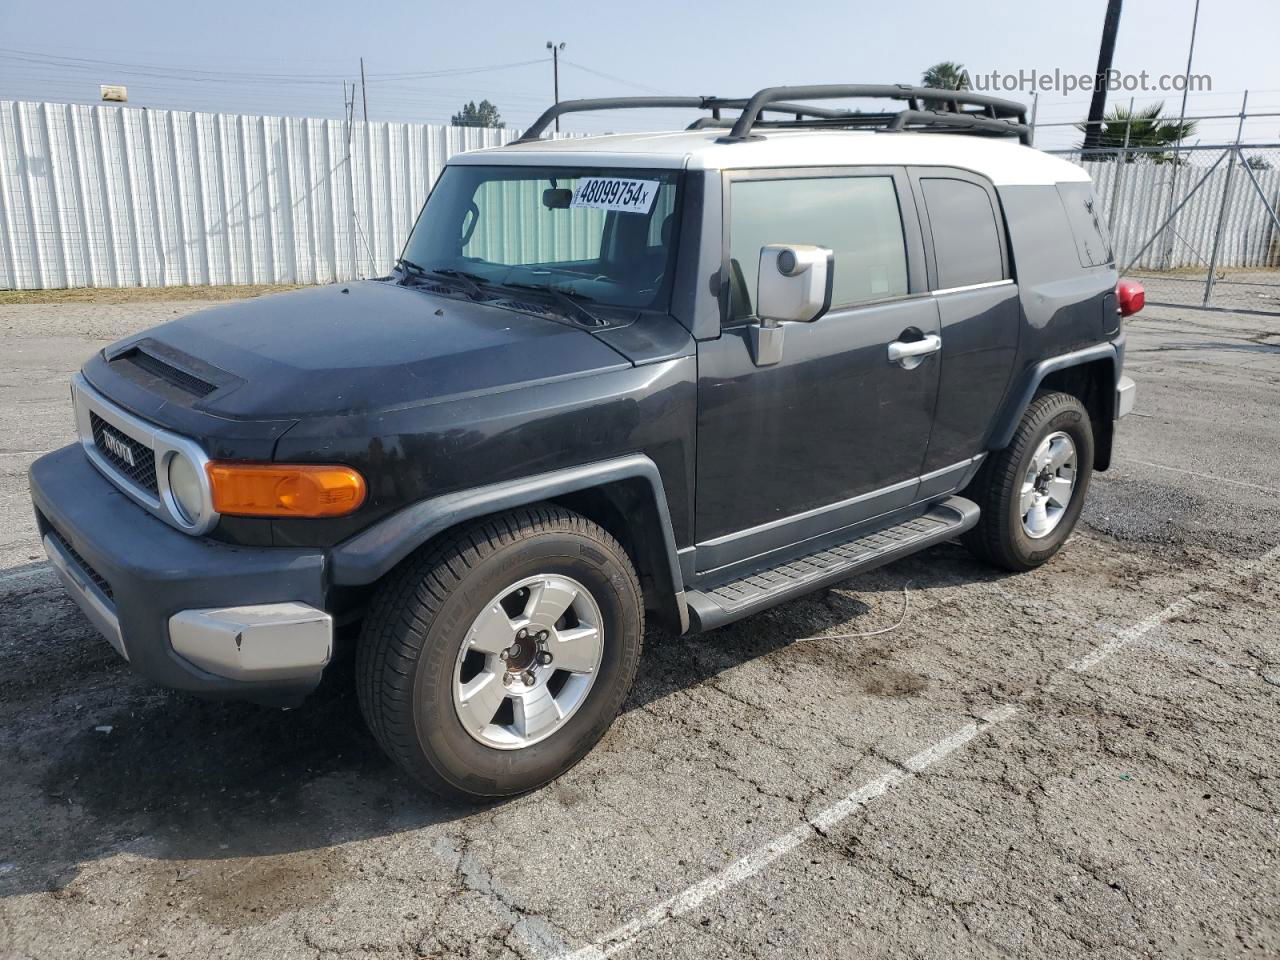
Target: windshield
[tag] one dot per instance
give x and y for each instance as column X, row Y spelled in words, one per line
column 600, row 234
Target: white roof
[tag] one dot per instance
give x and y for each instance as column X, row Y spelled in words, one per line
column 1003, row 161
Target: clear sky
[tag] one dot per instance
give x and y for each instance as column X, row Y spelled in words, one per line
column 260, row 57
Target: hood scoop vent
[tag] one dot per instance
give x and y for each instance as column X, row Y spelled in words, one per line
column 176, row 369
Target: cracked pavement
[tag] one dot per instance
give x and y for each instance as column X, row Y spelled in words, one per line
column 1126, row 809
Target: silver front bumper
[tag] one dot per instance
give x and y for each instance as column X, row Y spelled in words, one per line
column 97, row 606
column 262, row 641
column 1126, row 396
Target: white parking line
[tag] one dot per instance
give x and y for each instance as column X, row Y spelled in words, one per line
column 748, row 866
column 1204, row 476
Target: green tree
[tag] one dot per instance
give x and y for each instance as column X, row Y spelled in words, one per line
column 946, row 76
column 1145, row 128
column 484, row 115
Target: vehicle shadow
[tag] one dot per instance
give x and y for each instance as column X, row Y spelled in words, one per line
column 103, row 762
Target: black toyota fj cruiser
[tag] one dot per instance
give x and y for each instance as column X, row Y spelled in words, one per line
column 689, row 375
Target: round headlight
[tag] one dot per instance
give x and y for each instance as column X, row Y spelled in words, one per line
column 185, row 486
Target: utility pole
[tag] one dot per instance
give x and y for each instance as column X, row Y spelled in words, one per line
column 1098, row 105
column 555, row 73
column 364, row 93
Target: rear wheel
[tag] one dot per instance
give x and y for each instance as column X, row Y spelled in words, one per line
column 492, row 662
column 1032, row 492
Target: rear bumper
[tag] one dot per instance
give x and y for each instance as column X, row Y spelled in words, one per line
column 1126, row 396
column 186, row 612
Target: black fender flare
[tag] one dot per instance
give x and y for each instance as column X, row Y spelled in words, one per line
column 366, row 557
column 1020, row 396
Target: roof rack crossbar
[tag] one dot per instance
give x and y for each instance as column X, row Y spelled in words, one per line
column 967, row 121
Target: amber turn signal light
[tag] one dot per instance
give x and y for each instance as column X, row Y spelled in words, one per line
column 285, row 490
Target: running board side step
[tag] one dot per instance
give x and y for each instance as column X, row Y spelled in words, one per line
column 715, row 606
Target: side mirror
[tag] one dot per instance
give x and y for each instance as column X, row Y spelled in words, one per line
column 794, row 283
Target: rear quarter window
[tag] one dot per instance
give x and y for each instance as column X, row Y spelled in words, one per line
column 966, row 239
column 1093, row 245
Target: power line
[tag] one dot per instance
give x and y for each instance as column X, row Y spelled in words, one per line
column 199, row 75
column 615, row 79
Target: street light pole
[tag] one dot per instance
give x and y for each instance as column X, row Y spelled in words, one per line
column 555, row 72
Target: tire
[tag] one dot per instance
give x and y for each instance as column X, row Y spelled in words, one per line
column 413, row 673
column 1003, row 536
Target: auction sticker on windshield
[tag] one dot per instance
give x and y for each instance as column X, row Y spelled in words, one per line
column 611, row 193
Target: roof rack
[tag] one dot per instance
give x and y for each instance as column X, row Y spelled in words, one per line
column 927, row 109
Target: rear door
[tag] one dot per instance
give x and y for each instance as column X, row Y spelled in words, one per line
column 834, row 432
column 970, row 275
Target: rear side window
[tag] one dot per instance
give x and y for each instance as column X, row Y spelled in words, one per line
column 966, row 240
column 856, row 217
column 1092, row 242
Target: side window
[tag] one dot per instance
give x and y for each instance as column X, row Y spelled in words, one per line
column 966, row 240
column 1092, row 243
column 857, row 217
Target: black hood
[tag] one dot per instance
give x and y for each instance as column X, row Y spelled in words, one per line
column 364, row 347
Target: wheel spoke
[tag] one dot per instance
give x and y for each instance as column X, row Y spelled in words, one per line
column 1060, row 491
column 576, row 650
column 548, row 601
column 1038, row 518
column 1028, row 497
column 1060, row 452
column 481, row 697
column 493, row 631
column 536, row 712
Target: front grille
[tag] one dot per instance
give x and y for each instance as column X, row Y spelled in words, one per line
column 168, row 372
column 97, row 578
column 142, row 472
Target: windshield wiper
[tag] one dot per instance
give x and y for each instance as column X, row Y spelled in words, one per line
column 569, row 300
column 471, row 281
column 468, row 282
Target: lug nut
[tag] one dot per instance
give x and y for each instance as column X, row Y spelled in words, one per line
column 506, row 679
column 528, row 678
column 505, row 654
column 544, row 657
column 522, row 634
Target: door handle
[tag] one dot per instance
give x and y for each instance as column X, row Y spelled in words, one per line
column 910, row 353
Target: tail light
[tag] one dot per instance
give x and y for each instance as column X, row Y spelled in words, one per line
column 1131, row 296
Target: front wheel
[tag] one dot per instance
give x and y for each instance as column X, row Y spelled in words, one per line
column 491, row 663
column 1032, row 492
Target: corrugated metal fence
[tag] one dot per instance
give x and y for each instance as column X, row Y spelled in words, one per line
column 1137, row 193
column 107, row 197
column 118, row 197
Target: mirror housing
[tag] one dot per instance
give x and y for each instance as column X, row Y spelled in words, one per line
column 794, row 282
column 557, row 198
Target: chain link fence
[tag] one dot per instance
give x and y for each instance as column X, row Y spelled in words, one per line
column 1197, row 225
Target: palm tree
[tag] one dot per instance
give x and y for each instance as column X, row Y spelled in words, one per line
column 1141, row 128
column 946, row 76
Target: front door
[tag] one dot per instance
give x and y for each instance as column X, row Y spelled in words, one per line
column 834, row 432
